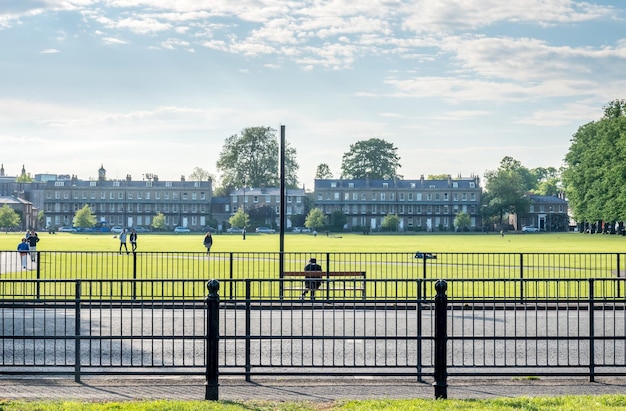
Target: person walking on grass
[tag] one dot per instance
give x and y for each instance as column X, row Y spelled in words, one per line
column 32, row 239
column 208, row 241
column 133, row 240
column 23, row 249
column 123, row 241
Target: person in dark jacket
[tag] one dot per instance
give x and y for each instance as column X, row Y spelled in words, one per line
column 23, row 249
column 32, row 239
column 133, row 240
column 312, row 282
column 208, row 241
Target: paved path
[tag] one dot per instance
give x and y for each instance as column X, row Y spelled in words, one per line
column 296, row 389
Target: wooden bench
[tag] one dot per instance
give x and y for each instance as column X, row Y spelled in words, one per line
column 352, row 281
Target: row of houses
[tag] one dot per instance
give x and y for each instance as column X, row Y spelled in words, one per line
column 421, row 204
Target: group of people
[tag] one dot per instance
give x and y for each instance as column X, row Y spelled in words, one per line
column 133, row 240
column 28, row 246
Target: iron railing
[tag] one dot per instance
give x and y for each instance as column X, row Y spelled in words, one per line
column 96, row 327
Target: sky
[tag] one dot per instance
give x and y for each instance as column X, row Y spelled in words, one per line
column 157, row 86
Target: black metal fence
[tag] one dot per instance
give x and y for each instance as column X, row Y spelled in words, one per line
column 56, row 265
column 95, row 327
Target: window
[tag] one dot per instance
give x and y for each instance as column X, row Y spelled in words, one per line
column 139, row 195
column 333, row 184
column 116, row 184
column 59, row 183
column 255, row 199
column 385, row 185
column 92, row 184
column 429, row 197
column 410, row 197
column 355, row 196
column 455, row 196
column 472, row 185
column 350, row 185
column 130, row 195
column 268, row 199
column 464, row 196
column 157, row 195
column 111, row 195
column 194, row 196
column 168, row 184
column 120, row 195
column 166, row 195
column 202, row 195
column 148, row 183
column 320, row 197
column 401, row 195
column 383, row 196
column 336, row 196
column 147, row 195
column 346, row 196
column 103, row 195
column 185, row 196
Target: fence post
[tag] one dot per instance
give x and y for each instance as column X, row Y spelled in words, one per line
column 521, row 277
column 592, row 333
column 212, row 339
column 77, row 348
column 441, row 340
column 248, row 331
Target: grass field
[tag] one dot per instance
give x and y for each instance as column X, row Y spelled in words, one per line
column 570, row 403
column 496, row 258
column 488, row 243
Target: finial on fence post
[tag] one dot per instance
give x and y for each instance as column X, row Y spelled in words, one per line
column 212, row 341
column 441, row 340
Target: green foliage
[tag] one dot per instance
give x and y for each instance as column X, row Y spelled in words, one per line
column 595, row 168
column 9, row 218
column 240, row 219
column 374, row 158
column 323, row 172
column 24, row 178
column 41, row 218
column 391, row 222
column 315, row 220
column 506, row 190
column 158, row 222
column 84, row 218
column 200, row 174
column 338, row 219
column 251, row 159
column 261, row 216
column 462, row 221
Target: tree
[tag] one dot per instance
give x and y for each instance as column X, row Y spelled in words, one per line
column 506, row 190
column 594, row 176
column 41, row 218
column 84, row 218
column 323, row 172
column 391, row 222
column 338, row 219
column 315, row 219
column 374, row 158
column 240, row 219
column 462, row 221
column 251, row 159
column 158, row 222
column 9, row 219
column 200, row 174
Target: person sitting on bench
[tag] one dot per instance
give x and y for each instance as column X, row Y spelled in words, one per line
column 313, row 282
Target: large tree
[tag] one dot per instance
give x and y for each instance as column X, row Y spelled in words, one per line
column 595, row 167
column 323, row 172
column 251, row 159
column 84, row 218
column 9, row 219
column 200, row 174
column 374, row 158
column 506, row 190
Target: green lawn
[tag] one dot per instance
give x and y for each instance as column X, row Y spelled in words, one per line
column 344, row 242
column 569, row 403
column 382, row 256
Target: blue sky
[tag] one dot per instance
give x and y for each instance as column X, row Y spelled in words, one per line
column 156, row 86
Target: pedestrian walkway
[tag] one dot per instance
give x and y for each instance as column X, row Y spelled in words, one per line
column 296, row 389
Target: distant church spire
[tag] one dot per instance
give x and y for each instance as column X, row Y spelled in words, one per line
column 102, row 173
